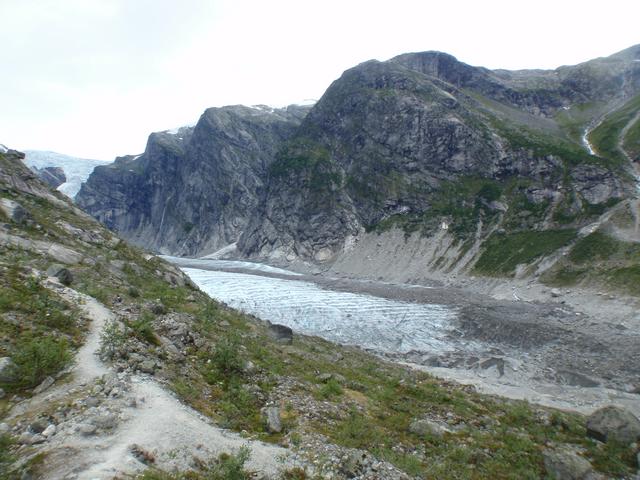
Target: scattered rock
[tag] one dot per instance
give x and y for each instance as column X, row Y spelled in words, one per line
column 92, row 402
column 424, row 426
column 564, row 464
column 38, row 426
column 281, row 333
column 7, row 370
column 61, row 273
column 14, row 211
column 63, row 254
column 272, row 418
column 324, row 377
column 354, row 464
column 141, row 454
column 2, row 393
column 158, row 308
column 147, row 366
column 4, row 428
column 105, row 421
column 49, row 431
column 613, row 422
column 494, row 362
column 87, row 429
column 36, row 439
column 46, row 383
column 555, row 293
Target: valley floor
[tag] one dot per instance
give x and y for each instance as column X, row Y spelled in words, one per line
column 569, row 349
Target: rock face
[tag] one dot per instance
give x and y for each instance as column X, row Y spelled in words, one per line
column 613, row 423
column 192, row 191
column 424, row 139
column 419, row 141
column 52, row 176
column 565, row 464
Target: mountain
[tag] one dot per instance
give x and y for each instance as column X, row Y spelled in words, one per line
column 421, row 155
column 192, row 190
column 75, row 170
column 114, row 365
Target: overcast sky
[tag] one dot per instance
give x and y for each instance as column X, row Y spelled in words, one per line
column 93, row 78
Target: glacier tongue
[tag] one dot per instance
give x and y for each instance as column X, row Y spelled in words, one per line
column 370, row 322
column 77, row 170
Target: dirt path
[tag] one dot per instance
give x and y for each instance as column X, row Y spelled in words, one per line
column 143, row 413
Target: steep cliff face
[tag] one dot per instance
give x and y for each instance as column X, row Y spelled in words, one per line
column 192, row 190
column 424, row 142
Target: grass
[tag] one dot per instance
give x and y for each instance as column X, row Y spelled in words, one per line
column 502, row 253
column 606, row 136
column 600, row 259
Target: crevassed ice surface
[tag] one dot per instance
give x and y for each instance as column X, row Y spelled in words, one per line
column 77, row 170
column 343, row 317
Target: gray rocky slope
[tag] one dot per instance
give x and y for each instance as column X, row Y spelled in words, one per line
column 417, row 143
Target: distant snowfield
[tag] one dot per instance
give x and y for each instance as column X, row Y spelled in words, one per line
column 77, row 170
column 343, row 317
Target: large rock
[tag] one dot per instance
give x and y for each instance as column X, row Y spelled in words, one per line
column 60, row 272
column 272, row 419
column 425, row 427
column 52, row 176
column 281, row 333
column 8, row 370
column 564, row 464
column 63, row 254
column 14, row 211
column 613, row 423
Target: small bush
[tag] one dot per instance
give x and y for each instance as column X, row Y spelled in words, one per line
column 112, row 339
column 226, row 357
column 330, row 390
column 229, row 467
column 143, row 329
column 37, row 358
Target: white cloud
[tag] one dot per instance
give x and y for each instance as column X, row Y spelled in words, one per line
column 94, row 77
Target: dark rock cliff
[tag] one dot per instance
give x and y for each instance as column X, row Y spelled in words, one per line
column 192, row 191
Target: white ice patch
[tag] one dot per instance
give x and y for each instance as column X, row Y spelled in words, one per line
column 348, row 318
column 77, row 170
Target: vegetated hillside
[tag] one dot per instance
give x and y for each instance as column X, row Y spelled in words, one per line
column 193, row 189
column 341, row 412
column 426, row 143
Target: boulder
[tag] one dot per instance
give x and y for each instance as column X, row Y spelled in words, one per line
column 105, row 420
column 38, row 426
column 613, row 422
column 61, row 273
column 63, row 254
column 272, row 419
column 49, row 431
column 14, row 211
column 424, row 426
column 46, row 383
column 564, row 464
column 8, row 370
column 281, row 333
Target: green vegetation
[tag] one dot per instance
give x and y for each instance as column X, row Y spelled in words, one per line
column 503, row 252
column 575, row 120
column 462, row 203
column 226, row 467
column 37, row 329
column 631, row 141
column 606, row 136
column 600, row 258
column 143, row 329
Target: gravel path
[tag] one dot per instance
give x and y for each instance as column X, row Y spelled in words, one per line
column 156, row 421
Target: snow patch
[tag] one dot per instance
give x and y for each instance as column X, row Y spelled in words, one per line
column 3, row 149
